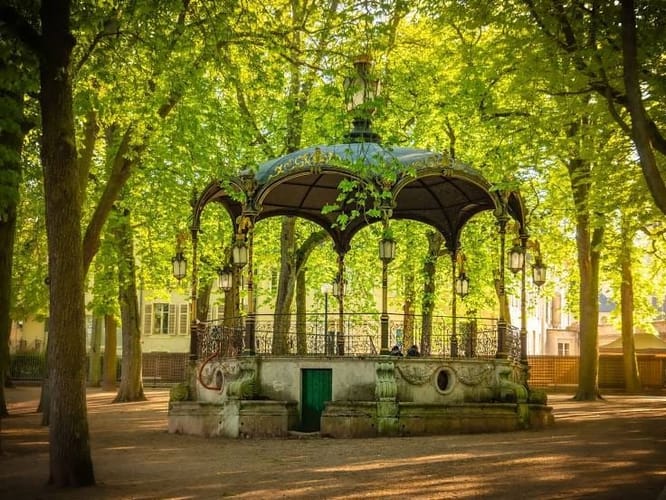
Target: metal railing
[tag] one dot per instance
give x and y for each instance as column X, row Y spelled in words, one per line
column 360, row 336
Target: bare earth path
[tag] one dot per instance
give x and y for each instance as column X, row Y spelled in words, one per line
column 611, row 450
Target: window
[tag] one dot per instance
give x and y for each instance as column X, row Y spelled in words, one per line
column 563, row 348
column 161, row 318
column 166, row 319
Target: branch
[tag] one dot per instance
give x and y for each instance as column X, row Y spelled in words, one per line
column 90, row 132
column 312, row 242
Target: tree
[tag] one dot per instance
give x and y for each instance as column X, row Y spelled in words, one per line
column 617, row 48
column 632, row 381
column 18, row 76
column 131, row 384
column 70, row 459
column 435, row 240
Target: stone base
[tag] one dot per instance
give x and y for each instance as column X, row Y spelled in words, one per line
column 193, row 417
column 233, row 418
column 362, row 419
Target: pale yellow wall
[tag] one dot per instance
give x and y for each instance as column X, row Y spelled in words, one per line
column 32, row 334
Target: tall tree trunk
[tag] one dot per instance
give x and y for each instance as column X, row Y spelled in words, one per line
column 69, row 438
column 292, row 260
column 408, row 308
column 232, row 320
column 131, row 384
column 10, row 172
column 286, row 285
column 203, row 300
column 301, row 311
column 12, row 133
column 110, row 356
column 588, row 243
column 95, row 355
column 632, row 382
column 435, row 241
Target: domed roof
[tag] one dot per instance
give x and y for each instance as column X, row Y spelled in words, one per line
column 341, row 187
column 369, row 154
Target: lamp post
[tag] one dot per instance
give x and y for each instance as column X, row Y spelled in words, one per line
column 326, row 289
column 339, row 290
column 241, row 255
column 502, row 220
column 461, row 289
column 360, row 90
column 517, row 262
column 386, row 255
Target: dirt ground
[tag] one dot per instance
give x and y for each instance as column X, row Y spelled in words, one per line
column 612, row 450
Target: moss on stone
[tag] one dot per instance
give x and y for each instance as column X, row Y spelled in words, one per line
column 538, row 396
column 179, row 392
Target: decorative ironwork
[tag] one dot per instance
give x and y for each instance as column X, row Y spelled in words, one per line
column 476, row 337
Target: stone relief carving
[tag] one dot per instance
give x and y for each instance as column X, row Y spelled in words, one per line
column 386, row 388
column 415, row 375
column 244, row 385
column 474, row 375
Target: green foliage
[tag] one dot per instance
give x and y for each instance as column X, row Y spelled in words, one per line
column 205, row 91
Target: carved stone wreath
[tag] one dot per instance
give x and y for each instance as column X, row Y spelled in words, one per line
column 472, row 375
column 416, row 375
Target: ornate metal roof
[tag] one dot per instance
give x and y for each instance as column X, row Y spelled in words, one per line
column 341, row 187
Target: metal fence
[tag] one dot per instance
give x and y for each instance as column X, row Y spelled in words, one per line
column 316, row 334
column 546, row 372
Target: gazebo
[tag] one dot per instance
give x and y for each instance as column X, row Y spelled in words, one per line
column 343, row 391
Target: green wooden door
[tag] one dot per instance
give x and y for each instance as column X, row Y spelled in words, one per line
column 316, row 390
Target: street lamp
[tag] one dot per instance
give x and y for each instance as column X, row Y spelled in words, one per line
column 462, row 285
column 386, row 255
column 360, row 92
column 538, row 271
column 337, row 288
column 239, row 253
column 178, row 265
column 516, row 256
column 386, row 249
column 224, row 278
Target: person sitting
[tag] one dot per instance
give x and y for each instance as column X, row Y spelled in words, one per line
column 413, row 351
column 395, row 351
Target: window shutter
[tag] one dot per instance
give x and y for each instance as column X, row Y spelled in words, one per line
column 183, row 322
column 173, row 319
column 147, row 319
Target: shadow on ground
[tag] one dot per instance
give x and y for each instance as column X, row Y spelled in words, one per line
column 612, row 450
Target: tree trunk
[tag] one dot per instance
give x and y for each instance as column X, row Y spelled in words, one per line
column 301, row 311
column 292, row 260
column 203, row 300
column 131, row 384
column 110, row 357
column 632, row 382
column 69, row 450
column 7, row 233
column 408, row 309
column 232, row 320
column 286, row 284
column 588, row 243
column 435, row 241
column 11, row 145
column 95, row 355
